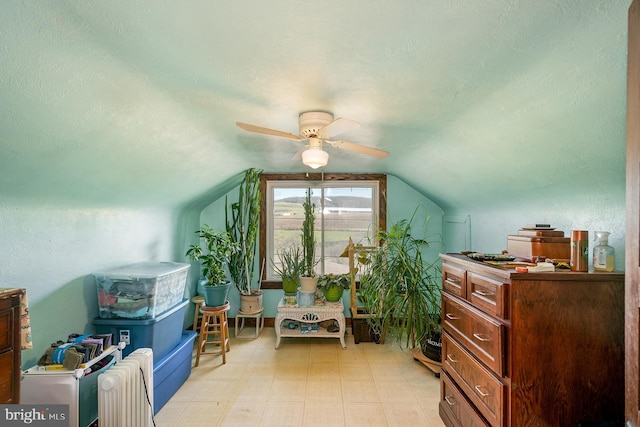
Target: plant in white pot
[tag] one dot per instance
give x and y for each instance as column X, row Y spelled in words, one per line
column 243, row 226
column 213, row 253
column 308, row 280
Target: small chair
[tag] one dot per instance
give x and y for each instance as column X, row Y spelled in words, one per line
column 216, row 324
column 240, row 317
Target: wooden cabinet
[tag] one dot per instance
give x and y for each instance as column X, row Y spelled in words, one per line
column 530, row 349
column 10, row 345
column 632, row 248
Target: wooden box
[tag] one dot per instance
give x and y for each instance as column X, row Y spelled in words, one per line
column 534, row 246
column 362, row 332
column 540, row 232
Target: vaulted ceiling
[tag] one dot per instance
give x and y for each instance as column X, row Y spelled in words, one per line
column 135, row 103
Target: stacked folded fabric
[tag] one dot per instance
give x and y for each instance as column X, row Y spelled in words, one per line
column 78, row 349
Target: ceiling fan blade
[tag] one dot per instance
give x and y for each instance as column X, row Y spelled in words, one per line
column 361, row 149
column 267, row 131
column 337, row 127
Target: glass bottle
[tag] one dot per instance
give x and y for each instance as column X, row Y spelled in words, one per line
column 603, row 254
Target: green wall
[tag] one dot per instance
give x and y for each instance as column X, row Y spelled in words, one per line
column 52, row 251
column 599, row 211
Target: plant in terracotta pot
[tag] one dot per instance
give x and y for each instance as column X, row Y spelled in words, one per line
column 243, row 227
column 308, row 279
column 213, row 252
column 403, row 288
column 333, row 285
column 289, row 269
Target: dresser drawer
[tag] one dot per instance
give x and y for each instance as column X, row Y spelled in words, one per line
column 487, row 294
column 6, row 329
column 482, row 335
column 7, row 386
column 479, row 384
column 454, row 280
column 455, row 408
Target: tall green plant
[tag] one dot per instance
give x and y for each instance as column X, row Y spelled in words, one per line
column 243, row 227
column 213, row 254
column 308, row 236
column 402, row 287
column 290, row 263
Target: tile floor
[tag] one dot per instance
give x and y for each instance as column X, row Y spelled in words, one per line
column 306, row 382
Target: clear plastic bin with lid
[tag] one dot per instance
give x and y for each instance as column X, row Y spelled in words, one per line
column 141, row 291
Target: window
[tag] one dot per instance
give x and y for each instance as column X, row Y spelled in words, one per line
column 347, row 205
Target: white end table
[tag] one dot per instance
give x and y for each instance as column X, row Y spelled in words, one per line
column 309, row 315
column 240, row 316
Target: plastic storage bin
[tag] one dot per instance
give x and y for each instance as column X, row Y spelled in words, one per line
column 66, row 387
column 160, row 334
column 141, row 291
column 172, row 371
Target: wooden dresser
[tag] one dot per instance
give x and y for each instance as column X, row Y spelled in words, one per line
column 530, row 349
column 10, row 353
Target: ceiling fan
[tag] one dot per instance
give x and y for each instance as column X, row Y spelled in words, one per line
column 318, row 127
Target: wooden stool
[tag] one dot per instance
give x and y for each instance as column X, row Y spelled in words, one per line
column 215, row 323
column 197, row 300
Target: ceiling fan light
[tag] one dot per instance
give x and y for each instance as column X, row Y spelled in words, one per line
column 315, row 157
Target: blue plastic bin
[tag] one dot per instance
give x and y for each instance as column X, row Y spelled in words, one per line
column 160, row 334
column 172, row 371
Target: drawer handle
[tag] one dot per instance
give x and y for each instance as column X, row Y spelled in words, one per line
column 450, row 400
column 451, row 316
column 484, row 293
column 480, row 391
column 480, row 337
column 454, row 280
column 451, row 359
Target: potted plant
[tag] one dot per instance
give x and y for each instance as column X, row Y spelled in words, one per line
column 213, row 253
column 403, row 288
column 308, row 280
column 333, row 285
column 289, row 269
column 243, row 226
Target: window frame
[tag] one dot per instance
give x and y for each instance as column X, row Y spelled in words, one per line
column 311, row 179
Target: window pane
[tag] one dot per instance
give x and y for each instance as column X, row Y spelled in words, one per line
column 287, row 215
column 343, row 210
column 347, row 212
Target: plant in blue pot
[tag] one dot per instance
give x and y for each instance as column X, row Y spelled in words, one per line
column 213, row 253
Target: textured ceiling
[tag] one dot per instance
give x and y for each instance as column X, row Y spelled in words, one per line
column 134, row 103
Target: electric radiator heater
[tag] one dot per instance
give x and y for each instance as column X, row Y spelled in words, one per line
column 125, row 392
